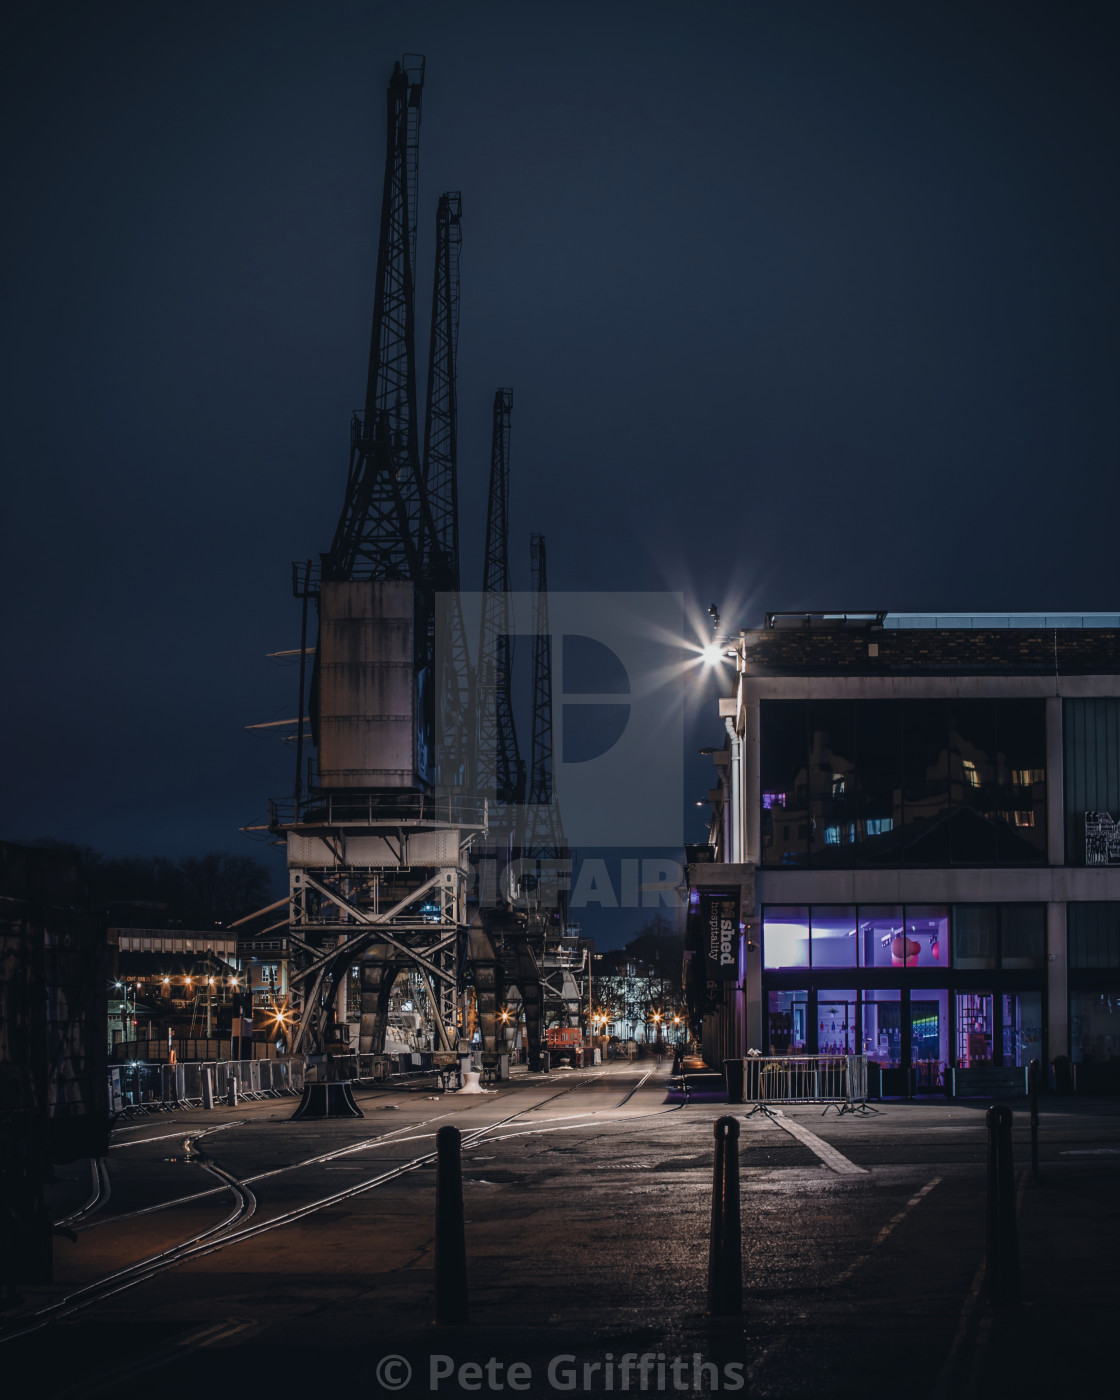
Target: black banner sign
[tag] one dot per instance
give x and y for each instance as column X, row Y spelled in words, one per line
column 719, row 916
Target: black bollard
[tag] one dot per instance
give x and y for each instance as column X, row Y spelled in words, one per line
column 1002, row 1273
column 725, row 1249
column 1033, row 1071
column 451, row 1246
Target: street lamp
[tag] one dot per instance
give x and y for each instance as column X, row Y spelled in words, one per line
column 122, row 987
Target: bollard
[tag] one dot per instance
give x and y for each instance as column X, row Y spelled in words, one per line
column 725, row 1248
column 1002, row 1272
column 451, row 1248
column 1033, row 1071
column 231, row 1094
column 207, row 1088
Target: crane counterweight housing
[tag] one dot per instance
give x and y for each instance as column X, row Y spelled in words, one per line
column 373, row 702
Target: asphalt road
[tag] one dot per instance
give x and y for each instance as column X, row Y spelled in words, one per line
column 239, row 1253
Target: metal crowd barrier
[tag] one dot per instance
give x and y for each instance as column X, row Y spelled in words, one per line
column 164, row 1086
column 255, row 1079
column 837, row 1081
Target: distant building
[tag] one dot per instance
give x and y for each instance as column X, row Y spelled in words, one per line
column 915, row 833
column 176, row 989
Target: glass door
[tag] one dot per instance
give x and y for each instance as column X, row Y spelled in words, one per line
column 1022, row 1028
column 787, row 1018
column 929, row 1037
column 974, row 1029
column 882, row 1028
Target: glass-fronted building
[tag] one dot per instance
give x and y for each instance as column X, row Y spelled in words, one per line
column 919, row 819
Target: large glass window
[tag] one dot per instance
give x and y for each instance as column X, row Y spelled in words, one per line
column 1095, row 1026
column 927, row 926
column 925, row 782
column 976, row 935
column 832, row 809
column 785, row 935
column 1094, row 934
column 970, row 937
column 1012, row 936
column 833, row 941
column 1092, row 772
column 787, row 1022
column 1021, row 752
column 881, row 930
column 1022, row 935
column 784, row 776
column 877, row 781
column 836, row 1023
column 911, row 782
column 973, row 782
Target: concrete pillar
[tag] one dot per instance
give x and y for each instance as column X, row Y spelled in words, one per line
column 1055, row 783
column 340, row 997
column 752, row 791
column 752, row 985
column 377, row 978
column 1057, row 982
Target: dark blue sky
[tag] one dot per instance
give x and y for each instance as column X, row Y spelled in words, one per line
column 803, row 304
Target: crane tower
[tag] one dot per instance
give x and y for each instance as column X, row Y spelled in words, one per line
column 377, row 860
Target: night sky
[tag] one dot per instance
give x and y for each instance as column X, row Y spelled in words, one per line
column 803, row 305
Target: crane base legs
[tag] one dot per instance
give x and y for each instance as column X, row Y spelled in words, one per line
column 327, row 1101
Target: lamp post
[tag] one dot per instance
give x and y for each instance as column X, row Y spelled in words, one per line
column 122, row 987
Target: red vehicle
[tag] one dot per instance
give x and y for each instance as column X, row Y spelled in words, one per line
column 558, row 1036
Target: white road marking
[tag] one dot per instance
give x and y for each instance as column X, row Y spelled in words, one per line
column 894, row 1221
column 825, row 1151
column 915, row 1199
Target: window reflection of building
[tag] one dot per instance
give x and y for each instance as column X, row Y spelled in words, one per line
column 913, row 782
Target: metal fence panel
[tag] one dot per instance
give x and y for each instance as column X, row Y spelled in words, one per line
column 805, row 1078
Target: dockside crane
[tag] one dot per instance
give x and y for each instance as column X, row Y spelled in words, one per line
column 542, row 848
column 385, row 528
column 542, row 835
column 377, row 867
column 501, row 769
column 439, row 479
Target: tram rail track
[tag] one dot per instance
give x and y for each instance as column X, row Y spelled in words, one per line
column 101, row 1190
column 224, row 1234
column 317, row 1160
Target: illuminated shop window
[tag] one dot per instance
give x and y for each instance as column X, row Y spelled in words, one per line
column 880, row 929
column 927, row 925
column 836, row 1023
column 833, row 940
column 787, row 1022
column 882, row 1027
column 785, row 936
